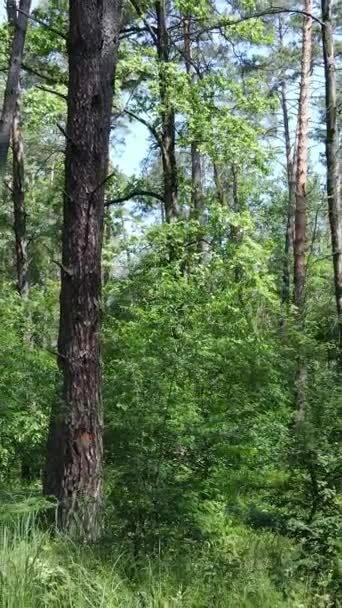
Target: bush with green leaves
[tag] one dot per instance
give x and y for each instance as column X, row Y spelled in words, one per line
column 191, row 369
column 27, row 382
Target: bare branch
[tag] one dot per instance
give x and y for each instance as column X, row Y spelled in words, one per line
column 146, row 23
column 43, row 24
column 269, row 12
column 47, row 90
column 63, row 131
column 135, row 194
column 148, row 126
column 46, row 77
column 101, row 184
column 63, row 268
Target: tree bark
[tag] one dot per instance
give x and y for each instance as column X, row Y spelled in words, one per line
column 302, row 162
column 220, row 193
column 332, row 151
column 301, row 202
column 291, row 173
column 168, row 138
column 196, row 165
column 12, row 82
column 11, row 9
column 197, row 202
column 74, row 462
column 19, row 205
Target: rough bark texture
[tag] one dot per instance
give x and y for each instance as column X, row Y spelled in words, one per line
column 301, row 203
column 11, row 8
column 19, row 205
column 74, row 463
column 302, row 162
column 12, row 82
column 168, row 138
column 332, row 152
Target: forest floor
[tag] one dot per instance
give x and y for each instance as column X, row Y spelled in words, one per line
column 244, row 569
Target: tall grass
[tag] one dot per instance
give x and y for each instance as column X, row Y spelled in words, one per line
column 249, row 571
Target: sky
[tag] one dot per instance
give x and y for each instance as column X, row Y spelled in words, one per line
column 129, row 154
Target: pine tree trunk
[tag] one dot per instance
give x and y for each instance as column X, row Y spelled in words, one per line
column 19, row 205
column 12, row 82
column 302, row 162
column 332, row 151
column 301, row 204
column 170, row 173
column 74, row 463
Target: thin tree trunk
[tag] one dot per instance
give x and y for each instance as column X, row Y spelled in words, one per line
column 197, row 202
column 220, row 193
column 19, row 205
column 332, row 151
column 74, row 462
column 301, row 203
column 302, row 162
column 290, row 166
column 170, row 173
column 196, row 166
column 12, row 82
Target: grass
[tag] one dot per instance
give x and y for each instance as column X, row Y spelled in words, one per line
column 247, row 570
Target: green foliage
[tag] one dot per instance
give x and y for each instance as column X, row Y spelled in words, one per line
column 212, row 496
column 27, row 385
column 249, row 570
column 191, row 373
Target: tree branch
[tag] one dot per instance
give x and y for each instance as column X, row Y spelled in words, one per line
column 126, row 33
column 148, row 126
column 135, row 194
column 43, row 24
column 47, row 90
column 47, row 78
column 269, row 12
column 146, row 23
column 67, row 137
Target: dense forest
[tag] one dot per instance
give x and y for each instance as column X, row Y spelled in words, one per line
column 170, row 304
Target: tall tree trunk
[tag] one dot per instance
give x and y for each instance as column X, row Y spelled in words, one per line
column 302, row 162
column 197, row 202
column 196, row 165
column 290, row 168
column 301, row 200
column 332, row 151
column 168, row 139
column 19, row 205
column 74, row 462
column 12, row 82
